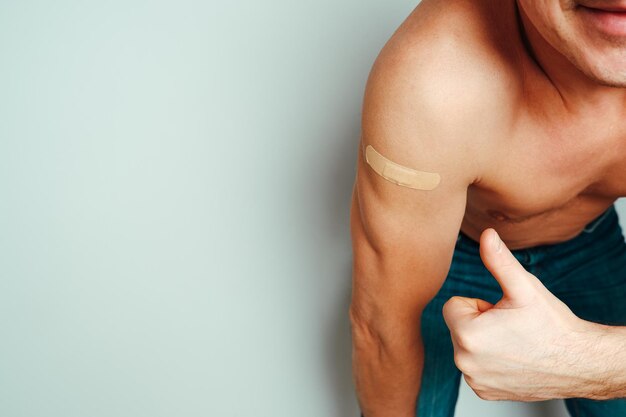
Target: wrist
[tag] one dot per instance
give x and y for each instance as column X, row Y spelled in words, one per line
column 594, row 351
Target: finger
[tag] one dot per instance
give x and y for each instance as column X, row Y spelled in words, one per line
column 460, row 309
column 483, row 305
column 517, row 283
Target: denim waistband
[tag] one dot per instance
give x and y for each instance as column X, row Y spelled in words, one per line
column 603, row 231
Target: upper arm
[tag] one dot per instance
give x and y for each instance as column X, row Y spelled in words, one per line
column 403, row 238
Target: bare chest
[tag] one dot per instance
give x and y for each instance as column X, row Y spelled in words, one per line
column 535, row 177
column 545, row 187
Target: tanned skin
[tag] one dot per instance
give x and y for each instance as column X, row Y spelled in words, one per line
column 520, row 107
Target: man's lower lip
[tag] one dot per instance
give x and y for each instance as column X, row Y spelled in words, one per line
column 612, row 23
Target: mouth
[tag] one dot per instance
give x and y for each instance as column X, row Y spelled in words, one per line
column 609, row 20
column 612, row 9
column 603, row 6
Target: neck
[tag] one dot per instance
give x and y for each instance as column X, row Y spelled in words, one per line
column 578, row 91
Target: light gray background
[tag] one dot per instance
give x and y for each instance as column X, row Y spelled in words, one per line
column 175, row 182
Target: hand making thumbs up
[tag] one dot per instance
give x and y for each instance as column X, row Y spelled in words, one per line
column 513, row 350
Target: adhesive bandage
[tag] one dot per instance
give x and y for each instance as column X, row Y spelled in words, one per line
column 398, row 174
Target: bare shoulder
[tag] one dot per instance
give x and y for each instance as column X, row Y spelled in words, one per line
column 445, row 81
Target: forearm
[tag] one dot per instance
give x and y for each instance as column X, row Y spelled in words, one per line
column 602, row 356
column 387, row 372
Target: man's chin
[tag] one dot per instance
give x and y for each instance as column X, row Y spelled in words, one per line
column 612, row 83
column 606, row 78
column 602, row 69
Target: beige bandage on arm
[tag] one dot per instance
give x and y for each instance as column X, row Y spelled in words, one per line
column 398, row 174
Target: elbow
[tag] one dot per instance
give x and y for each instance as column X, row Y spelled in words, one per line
column 365, row 332
column 374, row 332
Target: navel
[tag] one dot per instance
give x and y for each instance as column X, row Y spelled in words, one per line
column 500, row 216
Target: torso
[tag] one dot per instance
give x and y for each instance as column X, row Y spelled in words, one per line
column 545, row 189
column 551, row 172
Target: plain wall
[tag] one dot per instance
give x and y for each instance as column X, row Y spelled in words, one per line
column 175, row 181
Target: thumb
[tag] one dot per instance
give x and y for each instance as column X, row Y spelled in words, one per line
column 517, row 283
column 459, row 309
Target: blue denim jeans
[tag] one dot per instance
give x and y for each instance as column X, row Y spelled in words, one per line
column 587, row 273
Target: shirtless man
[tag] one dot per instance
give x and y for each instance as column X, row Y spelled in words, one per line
column 520, row 107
